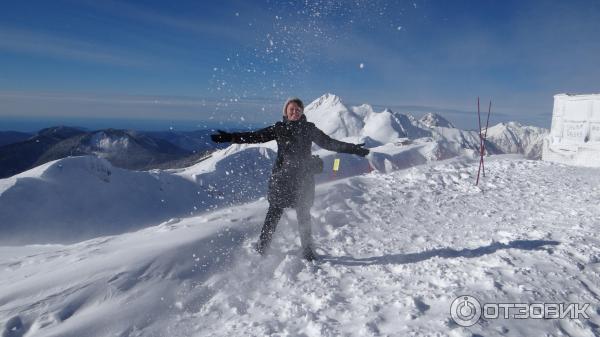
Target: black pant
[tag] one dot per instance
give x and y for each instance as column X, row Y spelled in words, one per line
column 273, row 215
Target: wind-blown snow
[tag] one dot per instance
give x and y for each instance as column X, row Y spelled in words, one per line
column 396, row 249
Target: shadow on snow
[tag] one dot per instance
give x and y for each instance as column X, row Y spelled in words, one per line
column 440, row 252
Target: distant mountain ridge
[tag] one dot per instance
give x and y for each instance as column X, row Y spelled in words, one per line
column 123, row 148
column 21, row 156
column 126, row 149
column 170, row 149
column 381, row 127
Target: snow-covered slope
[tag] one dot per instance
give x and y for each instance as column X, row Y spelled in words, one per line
column 83, row 197
column 513, row 137
column 396, row 249
column 431, row 119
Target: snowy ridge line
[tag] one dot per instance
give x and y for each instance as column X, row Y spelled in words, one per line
column 396, row 249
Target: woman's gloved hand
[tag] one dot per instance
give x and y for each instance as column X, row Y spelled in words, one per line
column 221, row 137
column 360, row 150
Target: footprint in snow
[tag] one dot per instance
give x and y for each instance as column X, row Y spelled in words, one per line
column 420, row 306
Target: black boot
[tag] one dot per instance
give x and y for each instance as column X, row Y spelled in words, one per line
column 271, row 220
column 304, row 227
column 309, row 254
column 259, row 248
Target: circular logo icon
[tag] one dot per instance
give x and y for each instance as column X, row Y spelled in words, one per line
column 465, row 310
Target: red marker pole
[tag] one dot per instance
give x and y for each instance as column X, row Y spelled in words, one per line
column 487, row 122
column 480, row 141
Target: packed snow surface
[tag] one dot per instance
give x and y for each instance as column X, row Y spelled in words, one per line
column 395, row 250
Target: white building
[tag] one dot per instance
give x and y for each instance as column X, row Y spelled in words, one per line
column 575, row 134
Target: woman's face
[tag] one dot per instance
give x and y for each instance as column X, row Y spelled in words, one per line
column 293, row 111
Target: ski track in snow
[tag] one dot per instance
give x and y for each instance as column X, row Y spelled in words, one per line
column 395, row 250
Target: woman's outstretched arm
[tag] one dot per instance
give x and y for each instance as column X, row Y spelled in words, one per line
column 328, row 143
column 259, row 136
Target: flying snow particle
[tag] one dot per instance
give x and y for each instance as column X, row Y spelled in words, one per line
column 237, row 14
column 361, row 66
column 399, row 28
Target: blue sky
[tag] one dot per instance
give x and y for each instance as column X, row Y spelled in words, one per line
column 192, row 63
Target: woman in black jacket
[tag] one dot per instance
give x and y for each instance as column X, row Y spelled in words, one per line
column 292, row 182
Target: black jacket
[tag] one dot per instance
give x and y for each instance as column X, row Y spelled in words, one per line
column 292, row 182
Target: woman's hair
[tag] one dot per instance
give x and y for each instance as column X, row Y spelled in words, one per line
column 294, row 100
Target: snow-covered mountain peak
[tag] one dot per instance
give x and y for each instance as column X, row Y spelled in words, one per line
column 513, row 137
column 336, row 120
column 326, row 101
column 505, row 125
column 514, row 127
column 333, row 117
column 431, row 119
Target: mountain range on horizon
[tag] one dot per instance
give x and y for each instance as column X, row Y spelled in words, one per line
column 142, row 150
column 137, row 150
